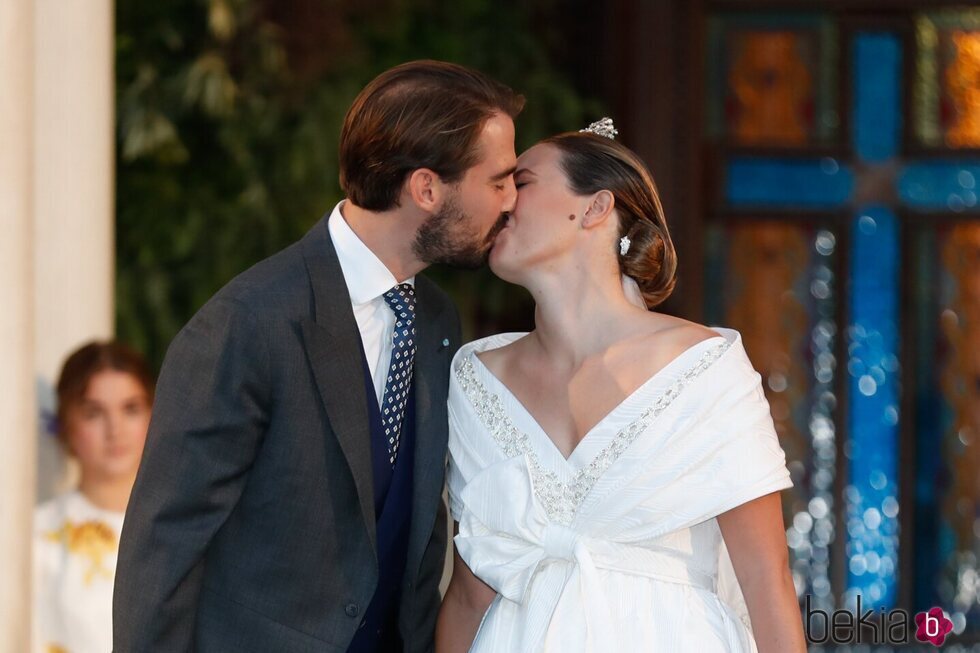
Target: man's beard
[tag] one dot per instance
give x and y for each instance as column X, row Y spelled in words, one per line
column 445, row 239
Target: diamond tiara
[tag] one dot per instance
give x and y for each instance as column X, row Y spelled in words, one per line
column 602, row 127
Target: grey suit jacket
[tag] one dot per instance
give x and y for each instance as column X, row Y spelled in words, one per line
column 251, row 526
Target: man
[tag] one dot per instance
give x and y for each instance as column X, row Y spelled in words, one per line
column 289, row 497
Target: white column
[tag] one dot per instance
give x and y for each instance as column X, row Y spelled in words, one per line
column 74, row 192
column 17, row 402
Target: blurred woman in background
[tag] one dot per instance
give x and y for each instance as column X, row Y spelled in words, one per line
column 105, row 393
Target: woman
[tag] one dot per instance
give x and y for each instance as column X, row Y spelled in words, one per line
column 608, row 468
column 105, row 393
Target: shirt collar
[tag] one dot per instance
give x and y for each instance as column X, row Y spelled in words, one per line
column 366, row 276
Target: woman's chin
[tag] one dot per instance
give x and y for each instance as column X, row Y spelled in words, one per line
column 113, row 469
column 493, row 260
column 498, row 260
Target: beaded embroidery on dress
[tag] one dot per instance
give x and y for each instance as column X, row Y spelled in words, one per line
column 561, row 500
column 616, row 547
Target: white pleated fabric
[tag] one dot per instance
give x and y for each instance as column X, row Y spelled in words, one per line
column 616, row 548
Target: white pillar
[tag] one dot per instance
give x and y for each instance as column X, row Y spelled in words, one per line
column 17, row 401
column 74, row 192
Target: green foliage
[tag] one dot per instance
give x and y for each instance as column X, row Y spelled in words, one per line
column 229, row 114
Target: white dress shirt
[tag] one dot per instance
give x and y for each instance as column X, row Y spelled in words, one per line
column 367, row 281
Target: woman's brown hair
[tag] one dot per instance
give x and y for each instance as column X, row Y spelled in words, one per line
column 593, row 163
column 87, row 361
column 422, row 114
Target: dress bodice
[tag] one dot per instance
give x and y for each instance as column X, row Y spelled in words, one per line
column 631, row 511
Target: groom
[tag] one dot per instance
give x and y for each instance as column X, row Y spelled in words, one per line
column 289, row 497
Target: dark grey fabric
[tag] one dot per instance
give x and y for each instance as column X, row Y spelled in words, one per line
column 251, row 526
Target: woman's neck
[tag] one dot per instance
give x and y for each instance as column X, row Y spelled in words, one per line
column 579, row 314
column 107, row 493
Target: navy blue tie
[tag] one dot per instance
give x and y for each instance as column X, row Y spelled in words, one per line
column 401, row 300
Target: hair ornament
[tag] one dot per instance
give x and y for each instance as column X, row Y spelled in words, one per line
column 624, row 245
column 603, row 127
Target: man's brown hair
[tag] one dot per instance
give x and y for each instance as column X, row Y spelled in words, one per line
column 421, row 114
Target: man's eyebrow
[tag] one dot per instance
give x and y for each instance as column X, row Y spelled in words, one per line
column 503, row 175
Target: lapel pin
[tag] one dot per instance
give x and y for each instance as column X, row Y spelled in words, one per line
column 445, row 342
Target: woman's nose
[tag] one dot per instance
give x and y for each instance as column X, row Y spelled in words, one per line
column 112, row 426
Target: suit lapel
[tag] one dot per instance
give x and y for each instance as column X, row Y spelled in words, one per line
column 431, row 422
column 333, row 347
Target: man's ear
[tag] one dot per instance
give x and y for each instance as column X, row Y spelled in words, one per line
column 600, row 207
column 426, row 189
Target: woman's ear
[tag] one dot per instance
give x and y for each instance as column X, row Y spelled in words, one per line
column 599, row 209
column 426, row 189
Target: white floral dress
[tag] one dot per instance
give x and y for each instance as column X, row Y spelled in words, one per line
column 75, row 550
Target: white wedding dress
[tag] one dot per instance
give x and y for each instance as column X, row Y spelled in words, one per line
column 617, row 548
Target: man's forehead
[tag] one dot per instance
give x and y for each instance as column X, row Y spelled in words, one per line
column 498, row 132
column 495, row 147
column 499, row 123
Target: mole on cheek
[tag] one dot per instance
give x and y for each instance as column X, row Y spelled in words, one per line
column 571, row 217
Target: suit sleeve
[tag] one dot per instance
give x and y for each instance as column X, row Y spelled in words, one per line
column 209, row 416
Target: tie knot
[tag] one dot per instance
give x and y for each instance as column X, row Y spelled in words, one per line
column 401, row 300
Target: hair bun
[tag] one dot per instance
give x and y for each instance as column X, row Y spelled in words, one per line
column 650, row 261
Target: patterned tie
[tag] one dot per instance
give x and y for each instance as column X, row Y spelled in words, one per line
column 401, row 300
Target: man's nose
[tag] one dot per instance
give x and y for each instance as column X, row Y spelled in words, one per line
column 511, row 199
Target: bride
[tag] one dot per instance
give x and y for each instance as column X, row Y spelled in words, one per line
column 614, row 474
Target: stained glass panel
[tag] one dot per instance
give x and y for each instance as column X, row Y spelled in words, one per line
column 813, row 183
column 771, row 278
column 947, row 87
column 779, row 291
column 947, row 403
column 876, row 90
column 940, row 185
column 773, row 78
column 871, row 497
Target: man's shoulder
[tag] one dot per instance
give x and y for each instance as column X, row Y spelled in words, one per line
column 254, row 299
column 276, row 286
column 281, row 271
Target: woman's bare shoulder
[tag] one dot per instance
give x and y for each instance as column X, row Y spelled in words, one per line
column 501, row 358
column 674, row 335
